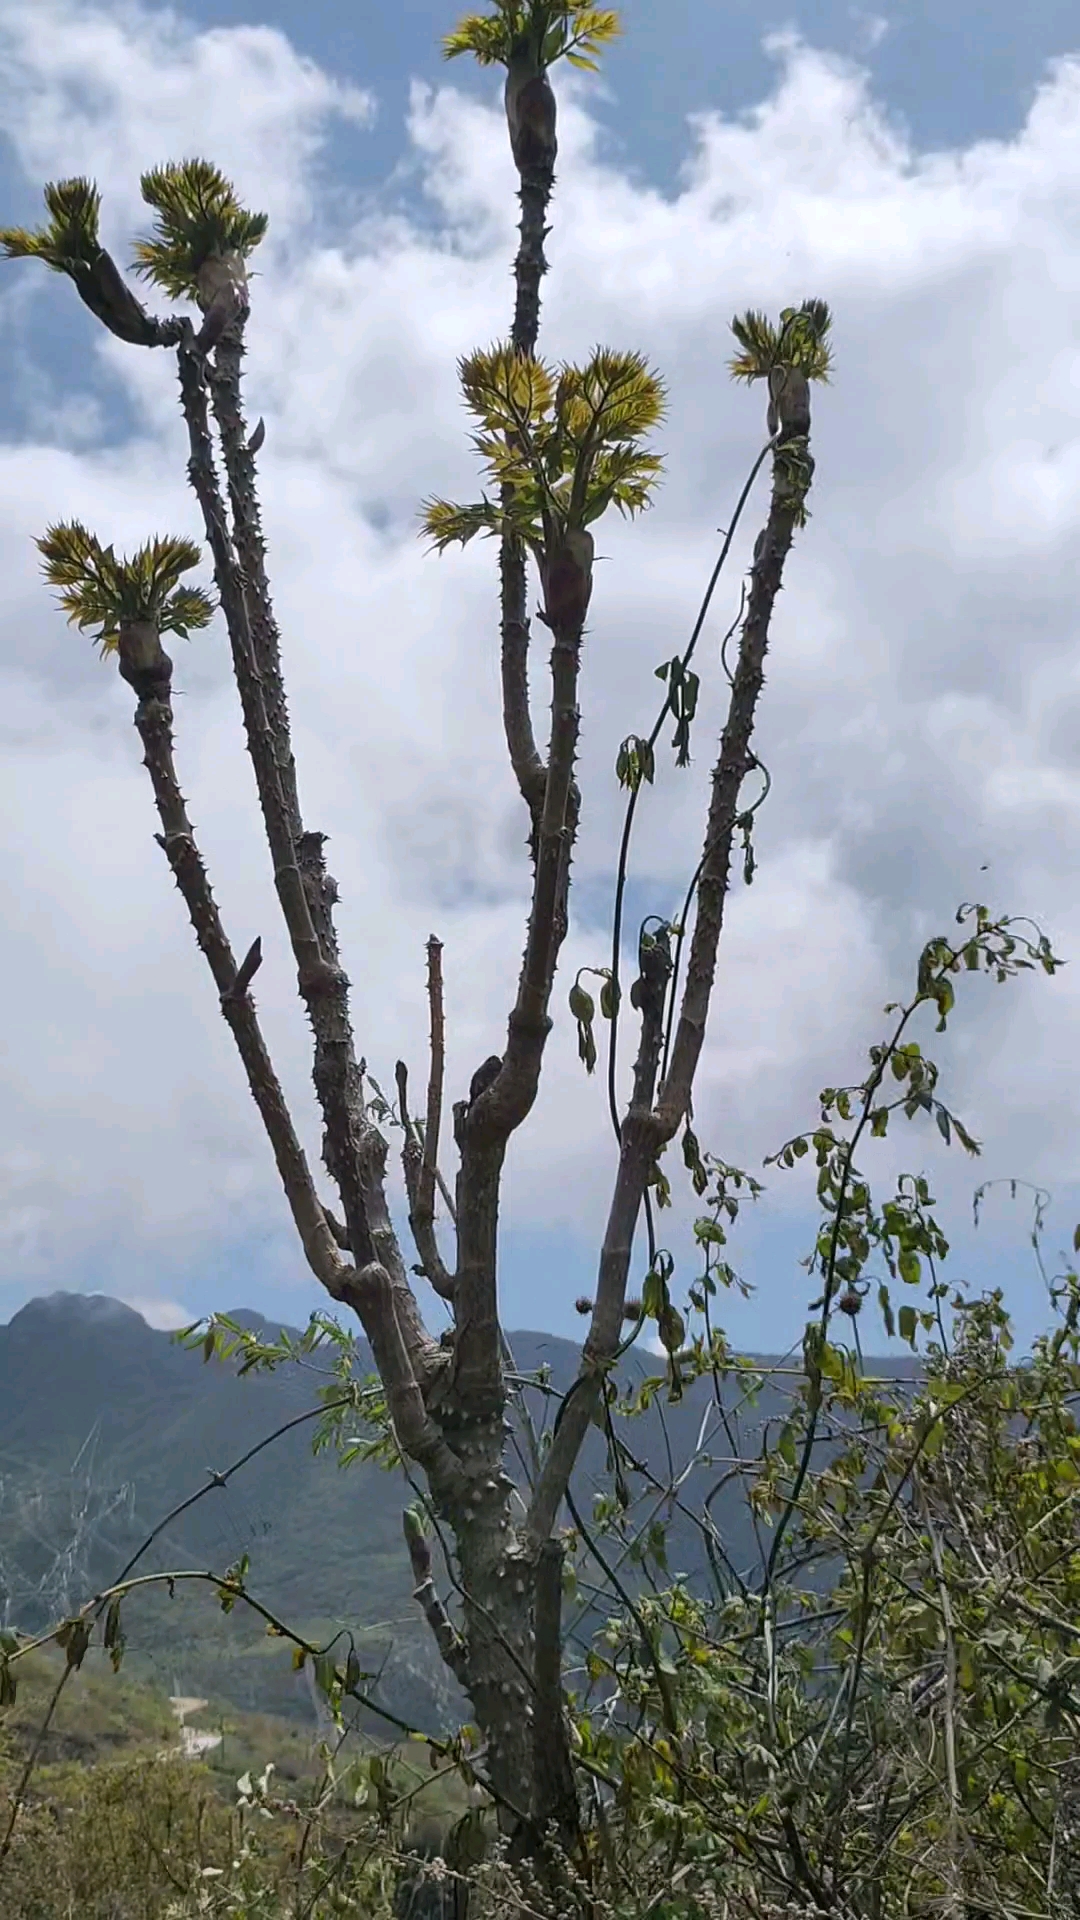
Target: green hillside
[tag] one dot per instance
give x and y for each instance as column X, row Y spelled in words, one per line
column 106, row 1425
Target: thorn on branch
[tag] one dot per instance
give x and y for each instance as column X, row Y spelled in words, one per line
column 401, row 1081
column 484, row 1077
column 447, row 1638
column 248, row 968
column 258, row 436
column 338, row 1230
column 420, row 1178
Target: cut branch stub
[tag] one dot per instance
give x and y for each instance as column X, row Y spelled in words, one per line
column 530, row 110
column 566, row 572
column 144, row 663
column 789, row 401
column 222, row 293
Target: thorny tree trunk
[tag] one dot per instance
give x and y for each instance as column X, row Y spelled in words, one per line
column 448, row 1404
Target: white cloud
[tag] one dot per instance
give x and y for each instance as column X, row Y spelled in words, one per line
column 165, row 1316
column 921, row 713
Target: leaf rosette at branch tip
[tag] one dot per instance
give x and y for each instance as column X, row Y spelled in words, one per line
column 97, row 590
column 800, row 343
column 550, row 30
column 563, row 446
column 70, row 244
column 202, row 234
column 130, row 603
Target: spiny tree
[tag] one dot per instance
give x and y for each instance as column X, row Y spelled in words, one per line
column 560, row 446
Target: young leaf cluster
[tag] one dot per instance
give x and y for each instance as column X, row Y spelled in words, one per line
column 549, row 29
column 800, row 341
column 70, row 243
column 565, row 443
column 97, row 590
column 198, row 218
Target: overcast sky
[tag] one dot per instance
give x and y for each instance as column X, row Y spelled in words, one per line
column 921, row 721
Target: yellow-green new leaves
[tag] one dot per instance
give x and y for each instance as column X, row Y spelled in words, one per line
column 198, row 219
column 566, row 441
column 799, row 342
column 787, row 357
column 98, row 590
column 70, row 244
column 70, row 241
column 551, row 30
column 197, row 251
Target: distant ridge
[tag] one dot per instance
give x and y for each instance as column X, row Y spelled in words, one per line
column 106, row 1425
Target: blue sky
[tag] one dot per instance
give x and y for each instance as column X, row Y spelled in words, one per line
column 954, row 70
column 918, row 168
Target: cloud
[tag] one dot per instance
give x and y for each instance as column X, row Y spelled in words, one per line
column 922, row 706
column 165, row 1316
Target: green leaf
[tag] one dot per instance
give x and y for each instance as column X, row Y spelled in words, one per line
column 71, row 238
column 636, row 762
column 581, row 1002
column 444, row 524
column 197, row 218
column 907, row 1320
column 671, row 1328
column 98, row 590
column 326, row 1678
column 555, row 29
column 800, row 341
column 74, row 1639
column 583, row 1009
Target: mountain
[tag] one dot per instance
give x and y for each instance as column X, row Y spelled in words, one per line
column 106, row 1425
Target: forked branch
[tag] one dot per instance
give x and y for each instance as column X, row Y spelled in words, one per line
column 653, row 1118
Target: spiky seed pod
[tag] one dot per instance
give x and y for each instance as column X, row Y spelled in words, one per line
column 566, row 574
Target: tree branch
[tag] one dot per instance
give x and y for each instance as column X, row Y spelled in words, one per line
column 555, row 1793
column 445, row 1634
column 537, row 179
column 496, row 1109
column 239, row 449
column 517, row 716
column 647, row 1127
column 153, row 718
column 354, row 1151
column 770, row 552
column 421, row 1217
column 638, row 1147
